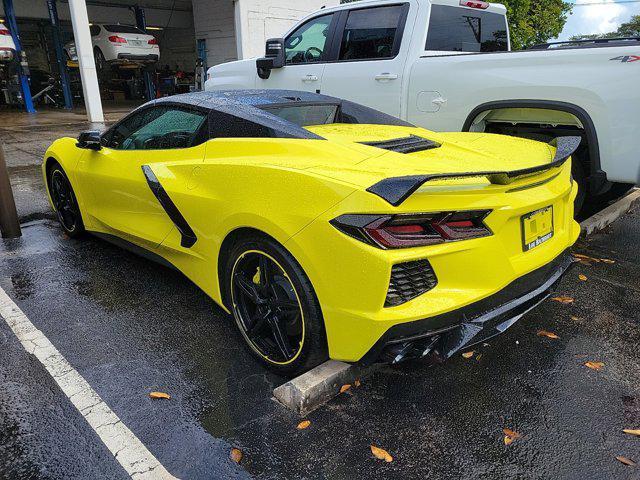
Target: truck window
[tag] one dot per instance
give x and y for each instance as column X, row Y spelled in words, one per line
column 370, row 33
column 453, row 29
column 307, row 43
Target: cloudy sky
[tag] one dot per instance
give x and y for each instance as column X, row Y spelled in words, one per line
column 598, row 16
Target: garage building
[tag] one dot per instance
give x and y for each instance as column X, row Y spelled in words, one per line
column 188, row 32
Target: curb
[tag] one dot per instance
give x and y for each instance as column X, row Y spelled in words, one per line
column 316, row 387
column 606, row 217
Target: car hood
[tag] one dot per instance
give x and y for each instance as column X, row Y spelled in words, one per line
column 449, row 153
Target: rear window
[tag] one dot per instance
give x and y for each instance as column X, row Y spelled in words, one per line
column 122, row 29
column 305, row 115
column 453, row 29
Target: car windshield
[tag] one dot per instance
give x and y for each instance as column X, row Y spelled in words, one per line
column 122, row 29
column 305, row 115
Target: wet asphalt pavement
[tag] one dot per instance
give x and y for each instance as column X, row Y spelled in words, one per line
column 129, row 327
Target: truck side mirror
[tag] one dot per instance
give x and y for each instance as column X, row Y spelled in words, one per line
column 274, row 57
column 89, row 140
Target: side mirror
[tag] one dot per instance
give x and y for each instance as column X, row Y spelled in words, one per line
column 274, row 57
column 90, row 140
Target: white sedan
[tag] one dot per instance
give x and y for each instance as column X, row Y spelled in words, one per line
column 119, row 44
column 7, row 47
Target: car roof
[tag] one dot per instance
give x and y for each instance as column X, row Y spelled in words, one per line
column 250, row 105
column 248, row 98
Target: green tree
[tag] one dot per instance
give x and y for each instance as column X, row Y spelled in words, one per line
column 535, row 21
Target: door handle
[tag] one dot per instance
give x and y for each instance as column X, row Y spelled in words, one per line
column 439, row 101
column 384, row 77
column 310, row 78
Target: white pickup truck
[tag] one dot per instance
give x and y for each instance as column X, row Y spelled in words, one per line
column 446, row 65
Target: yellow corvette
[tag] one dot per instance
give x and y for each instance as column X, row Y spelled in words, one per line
column 327, row 229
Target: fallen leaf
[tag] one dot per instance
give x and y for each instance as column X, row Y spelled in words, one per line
column 344, row 388
column 606, row 260
column 357, row 383
column 574, row 318
column 632, row 432
column 468, row 354
column 479, row 357
column 586, row 257
column 594, row 365
column 625, row 460
column 585, row 262
column 563, row 299
column 303, row 424
column 582, row 277
column 381, row 454
column 545, row 333
column 235, row 455
column 510, row 436
column 160, row 395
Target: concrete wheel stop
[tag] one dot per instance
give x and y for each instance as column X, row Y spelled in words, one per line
column 316, row 387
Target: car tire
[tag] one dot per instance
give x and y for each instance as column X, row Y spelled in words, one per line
column 101, row 63
column 287, row 285
column 65, row 202
column 577, row 171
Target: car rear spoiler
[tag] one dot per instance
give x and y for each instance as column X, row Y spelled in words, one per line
column 396, row 190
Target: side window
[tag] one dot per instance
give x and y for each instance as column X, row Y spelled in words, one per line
column 307, row 43
column 95, row 30
column 158, row 128
column 454, row 29
column 225, row 125
column 370, row 33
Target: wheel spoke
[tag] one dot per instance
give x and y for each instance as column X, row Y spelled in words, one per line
column 247, row 287
column 257, row 323
column 266, row 271
column 282, row 341
column 287, row 306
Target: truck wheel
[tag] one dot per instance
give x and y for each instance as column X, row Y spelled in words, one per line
column 577, row 170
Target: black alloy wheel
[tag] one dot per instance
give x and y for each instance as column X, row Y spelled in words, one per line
column 65, row 203
column 274, row 306
column 267, row 308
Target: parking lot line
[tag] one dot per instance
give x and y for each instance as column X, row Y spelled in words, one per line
column 126, row 448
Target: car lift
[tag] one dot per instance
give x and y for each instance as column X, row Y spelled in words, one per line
column 23, row 67
column 141, row 23
column 62, row 63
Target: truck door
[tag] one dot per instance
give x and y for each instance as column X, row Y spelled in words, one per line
column 306, row 49
column 368, row 67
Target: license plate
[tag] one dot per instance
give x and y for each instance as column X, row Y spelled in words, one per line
column 537, row 228
column 136, row 43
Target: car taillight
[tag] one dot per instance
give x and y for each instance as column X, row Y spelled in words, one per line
column 153, row 41
column 472, row 4
column 117, row 39
column 414, row 230
column 4, row 32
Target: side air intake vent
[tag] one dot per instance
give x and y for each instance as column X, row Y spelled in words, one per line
column 408, row 281
column 408, row 144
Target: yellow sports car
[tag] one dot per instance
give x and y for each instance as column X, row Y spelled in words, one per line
column 327, row 229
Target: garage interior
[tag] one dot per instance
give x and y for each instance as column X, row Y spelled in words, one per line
column 192, row 35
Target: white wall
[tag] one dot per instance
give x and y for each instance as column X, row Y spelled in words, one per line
column 262, row 19
column 236, row 29
column 213, row 21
